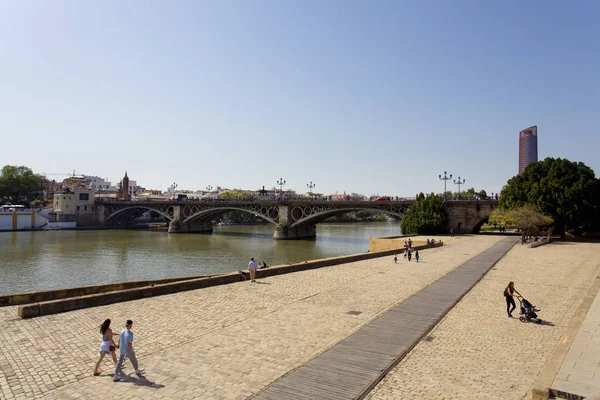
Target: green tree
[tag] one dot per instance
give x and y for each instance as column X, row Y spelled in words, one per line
column 526, row 218
column 234, row 194
column 427, row 215
column 19, row 185
column 568, row 191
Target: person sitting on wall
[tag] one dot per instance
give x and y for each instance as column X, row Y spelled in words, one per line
column 428, row 242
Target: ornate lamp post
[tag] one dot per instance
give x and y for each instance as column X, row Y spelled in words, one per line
column 445, row 178
column 459, row 182
column 174, row 186
column 310, row 187
column 209, row 188
column 281, row 182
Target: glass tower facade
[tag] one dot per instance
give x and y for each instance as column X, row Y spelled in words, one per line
column 528, row 149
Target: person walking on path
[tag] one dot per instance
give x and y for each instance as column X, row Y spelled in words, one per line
column 409, row 254
column 417, row 255
column 252, row 266
column 108, row 345
column 126, row 350
column 508, row 294
column 395, row 259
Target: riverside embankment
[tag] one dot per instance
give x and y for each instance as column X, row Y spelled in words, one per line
column 200, row 343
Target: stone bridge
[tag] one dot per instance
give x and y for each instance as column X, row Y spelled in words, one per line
column 292, row 219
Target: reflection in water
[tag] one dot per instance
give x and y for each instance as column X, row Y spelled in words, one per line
column 58, row 259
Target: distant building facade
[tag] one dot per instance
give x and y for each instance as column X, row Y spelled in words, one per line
column 98, row 183
column 70, row 204
column 528, row 147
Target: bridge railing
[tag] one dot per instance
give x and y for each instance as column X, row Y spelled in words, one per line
column 255, row 200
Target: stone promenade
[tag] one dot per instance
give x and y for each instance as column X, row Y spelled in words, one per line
column 219, row 342
column 476, row 351
column 229, row 342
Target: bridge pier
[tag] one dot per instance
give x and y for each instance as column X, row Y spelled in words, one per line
column 285, row 232
column 198, row 226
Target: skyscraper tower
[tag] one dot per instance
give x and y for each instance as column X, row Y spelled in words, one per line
column 528, row 151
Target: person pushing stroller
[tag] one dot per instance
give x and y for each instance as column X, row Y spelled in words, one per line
column 527, row 310
column 509, row 293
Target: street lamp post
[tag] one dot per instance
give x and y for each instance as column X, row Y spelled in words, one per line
column 310, row 187
column 459, row 182
column 209, row 188
column 445, row 178
column 174, row 186
column 281, row 182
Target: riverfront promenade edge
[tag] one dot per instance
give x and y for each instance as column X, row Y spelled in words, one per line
column 292, row 219
column 229, row 342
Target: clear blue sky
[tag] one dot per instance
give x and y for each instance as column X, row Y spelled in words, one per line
column 357, row 96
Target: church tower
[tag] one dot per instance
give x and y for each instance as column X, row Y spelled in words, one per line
column 125, row 187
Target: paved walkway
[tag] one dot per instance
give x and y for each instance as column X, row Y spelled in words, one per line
column 476, row 352
column 352, row 367
column 580, row 371
column 230, row 342
column 225, row 342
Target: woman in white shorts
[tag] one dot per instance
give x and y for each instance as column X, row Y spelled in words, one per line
column 108, row 345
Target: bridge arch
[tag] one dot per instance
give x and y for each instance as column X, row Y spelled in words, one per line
column 477, row 226
column 300, row 216
column 269, row 214
column 114, row 214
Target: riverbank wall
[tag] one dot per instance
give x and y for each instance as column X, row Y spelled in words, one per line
column 58, row 294
column 390, row 243
column 59, row 305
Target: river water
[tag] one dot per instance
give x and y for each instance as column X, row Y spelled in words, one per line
column 32, row 261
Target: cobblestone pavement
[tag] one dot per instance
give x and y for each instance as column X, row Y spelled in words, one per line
column 224, row 342
column 476, row 351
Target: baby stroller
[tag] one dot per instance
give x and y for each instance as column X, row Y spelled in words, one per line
column 528, row 311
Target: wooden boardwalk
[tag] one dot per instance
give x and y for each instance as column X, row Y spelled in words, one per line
column 352, row 367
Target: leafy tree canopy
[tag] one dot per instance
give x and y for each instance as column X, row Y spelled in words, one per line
column 19, row 185
column 527, row 219
column 566, row 190
column 428, row 215
column 235, row 194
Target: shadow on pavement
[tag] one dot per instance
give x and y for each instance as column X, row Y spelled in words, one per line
column 141, row 381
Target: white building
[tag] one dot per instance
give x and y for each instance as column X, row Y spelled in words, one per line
column 99, row 184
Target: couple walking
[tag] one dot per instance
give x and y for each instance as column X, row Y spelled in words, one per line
column 125, row 347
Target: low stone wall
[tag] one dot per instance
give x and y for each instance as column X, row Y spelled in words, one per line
column 94, row 300
column 390, row 243
column 50, row 295
column 100, row 299
column 540, row 243
column 327, row 262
